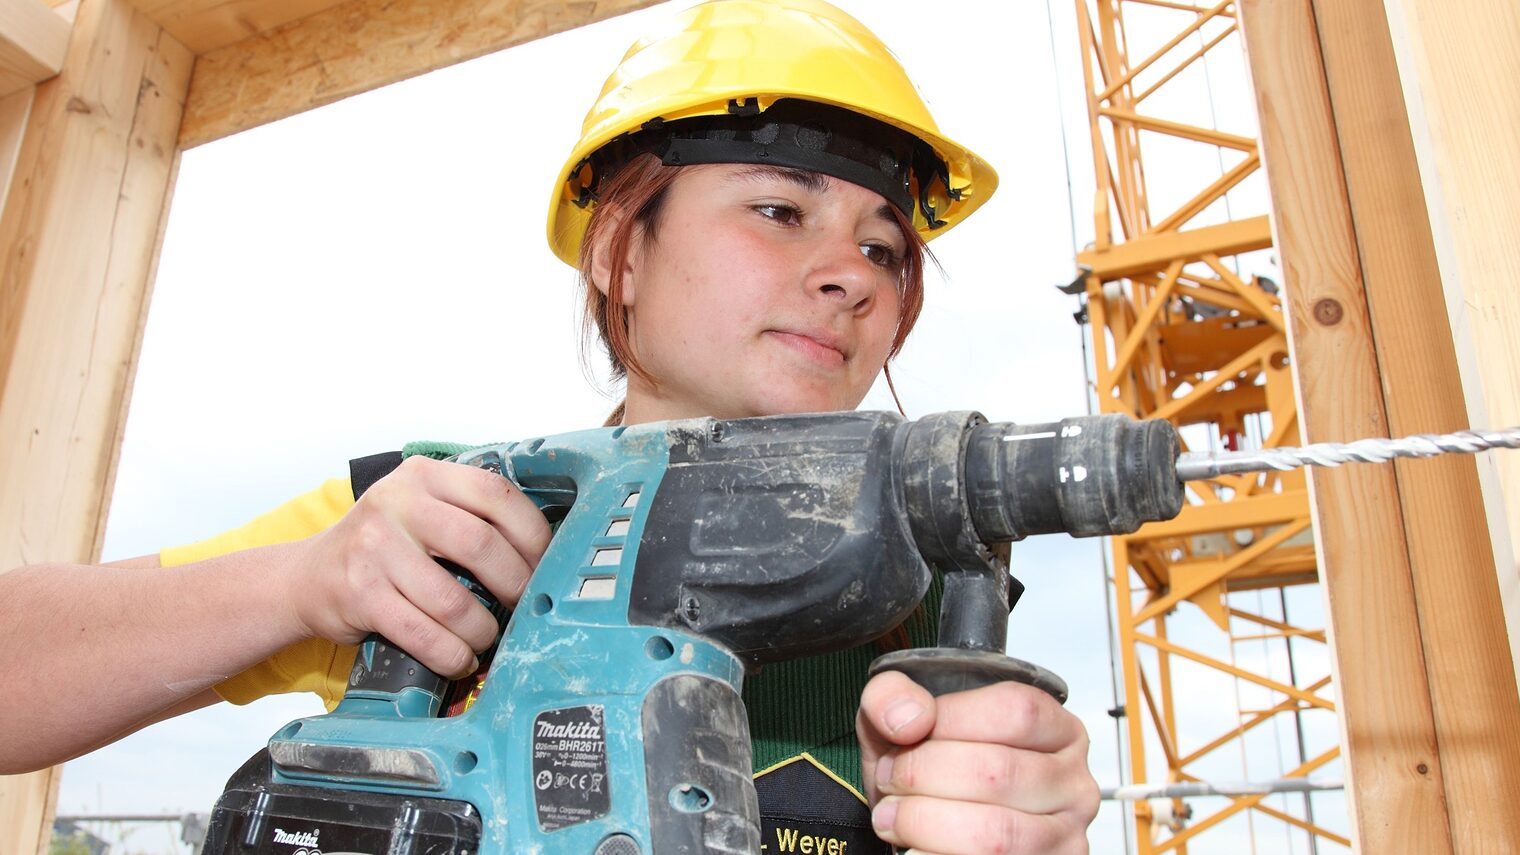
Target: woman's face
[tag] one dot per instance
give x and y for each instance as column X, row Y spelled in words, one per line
column 763, row 291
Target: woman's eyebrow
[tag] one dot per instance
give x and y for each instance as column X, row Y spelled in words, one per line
column 813, row 182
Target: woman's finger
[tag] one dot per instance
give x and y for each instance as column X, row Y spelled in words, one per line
column 446, row 530
column 967, row 828
column 424, row 639
column 438, row 594
column 1012, row 714
column 492, row 498
column 1027, row 781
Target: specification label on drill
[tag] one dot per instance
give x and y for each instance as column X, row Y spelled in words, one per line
column 570, row 766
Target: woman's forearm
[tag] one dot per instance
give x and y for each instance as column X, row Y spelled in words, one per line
column 90, row 653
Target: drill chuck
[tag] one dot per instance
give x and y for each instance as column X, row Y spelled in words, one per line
column 1086, row 476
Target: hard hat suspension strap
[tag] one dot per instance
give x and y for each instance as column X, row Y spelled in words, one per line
column 792, row 134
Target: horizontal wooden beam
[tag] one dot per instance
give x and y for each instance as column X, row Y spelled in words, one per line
column 361, row 45
column 33, row 40
column 203, row 27
column 1153, row 252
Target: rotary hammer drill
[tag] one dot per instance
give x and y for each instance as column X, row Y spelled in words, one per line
column 610, row 721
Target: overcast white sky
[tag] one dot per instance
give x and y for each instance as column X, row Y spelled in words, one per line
column 374, row 272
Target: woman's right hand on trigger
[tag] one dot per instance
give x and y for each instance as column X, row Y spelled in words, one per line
column 374, row 571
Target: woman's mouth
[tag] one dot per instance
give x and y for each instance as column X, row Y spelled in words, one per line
column 817, row 347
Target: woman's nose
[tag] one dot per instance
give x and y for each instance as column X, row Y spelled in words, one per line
column 843, row 274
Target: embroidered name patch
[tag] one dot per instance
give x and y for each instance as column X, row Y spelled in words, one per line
column 806, row 809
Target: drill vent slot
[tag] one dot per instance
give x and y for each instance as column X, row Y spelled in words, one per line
column 632, row 501
column 607, row 557
column 598, row 588
column 619, row 528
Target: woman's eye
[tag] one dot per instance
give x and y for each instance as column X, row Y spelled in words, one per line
column 880, row 255
column 784, row 214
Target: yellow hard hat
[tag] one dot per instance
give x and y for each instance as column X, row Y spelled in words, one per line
column 790, row 82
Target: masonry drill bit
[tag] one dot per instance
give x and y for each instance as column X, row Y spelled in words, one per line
column 1196, row 466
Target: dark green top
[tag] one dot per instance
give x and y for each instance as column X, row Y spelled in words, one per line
column 808, row 705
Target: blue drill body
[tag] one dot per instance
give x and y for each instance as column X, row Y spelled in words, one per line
column 610, row 721
column 553, row 744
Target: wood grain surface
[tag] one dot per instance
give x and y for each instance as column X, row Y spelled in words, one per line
column 77, row 237
column 361, row 45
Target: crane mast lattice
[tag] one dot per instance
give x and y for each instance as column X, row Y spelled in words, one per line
column 1182, row 329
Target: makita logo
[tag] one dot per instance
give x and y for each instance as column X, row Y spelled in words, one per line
column 574, row 730
column 297, row 838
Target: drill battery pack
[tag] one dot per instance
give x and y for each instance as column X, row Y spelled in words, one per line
column 258, row 815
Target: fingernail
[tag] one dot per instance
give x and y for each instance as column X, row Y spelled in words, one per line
column 884, row 772
column 884, row 817
column 900, row 713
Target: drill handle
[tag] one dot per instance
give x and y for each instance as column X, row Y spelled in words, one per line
column 386, row 679
column 383, row 673
column 943, row 670
column 973, row 627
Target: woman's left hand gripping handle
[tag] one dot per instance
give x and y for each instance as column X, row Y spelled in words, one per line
column 999, row 769
column 376, row 570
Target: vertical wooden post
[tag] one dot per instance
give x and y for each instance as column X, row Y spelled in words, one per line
column 1428, row 700
column 1460, row 66
column 78, row 238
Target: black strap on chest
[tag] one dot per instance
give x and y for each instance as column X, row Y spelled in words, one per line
column 363, row 472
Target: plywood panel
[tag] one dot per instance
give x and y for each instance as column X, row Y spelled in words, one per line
column 360, row 45
column 1393, row 765
column 77, row 237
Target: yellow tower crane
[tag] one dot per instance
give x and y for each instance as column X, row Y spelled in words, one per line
column 1181, row 331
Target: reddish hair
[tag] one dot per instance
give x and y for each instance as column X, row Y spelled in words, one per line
column 638, row 192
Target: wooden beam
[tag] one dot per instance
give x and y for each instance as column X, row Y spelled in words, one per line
column 360, row 45
column 33, row 39
column 1461, row 74
column 1429, row 706
column 14, row 111
column 1462, row 625
column 1394, row 789
column 203, row 27
column 77, row 240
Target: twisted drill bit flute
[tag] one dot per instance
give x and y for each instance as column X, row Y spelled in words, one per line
column 1195, row 466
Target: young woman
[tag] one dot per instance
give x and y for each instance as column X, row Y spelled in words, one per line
column 747, row 207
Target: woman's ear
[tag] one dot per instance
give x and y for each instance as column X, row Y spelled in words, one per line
column 601, row 256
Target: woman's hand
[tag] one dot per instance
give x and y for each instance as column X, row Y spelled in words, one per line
column 1001, row 769
column 374, row 571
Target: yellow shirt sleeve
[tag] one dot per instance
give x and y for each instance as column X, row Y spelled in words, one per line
column 313, row 665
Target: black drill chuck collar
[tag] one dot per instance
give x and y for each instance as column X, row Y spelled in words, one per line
column 967, row 484
column 1085, row 476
